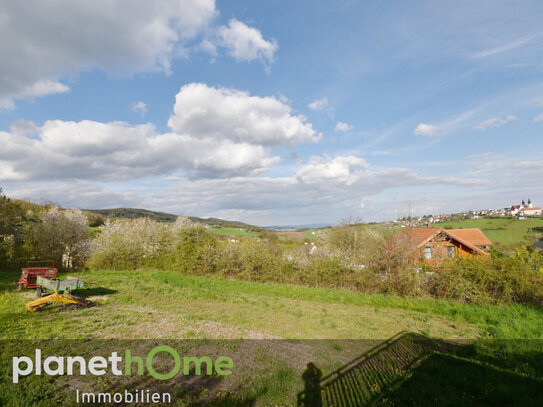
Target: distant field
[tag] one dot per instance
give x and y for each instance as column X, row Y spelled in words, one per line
column 312, row 234
column 298, row 236
column 503, row 231
column 233, row 232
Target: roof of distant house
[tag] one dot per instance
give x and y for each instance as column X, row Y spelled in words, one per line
column 472, row 238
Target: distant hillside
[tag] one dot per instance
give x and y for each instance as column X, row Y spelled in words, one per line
column 134, row 213
column 224, row 223
column 164, row 217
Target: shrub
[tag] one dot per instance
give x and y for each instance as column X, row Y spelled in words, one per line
column 194, row 250
column 359, row 259
column 130, row 243
column 461, row 279
column 504, row 279
column 250, row 259
column 95, row 219
column 394, row 262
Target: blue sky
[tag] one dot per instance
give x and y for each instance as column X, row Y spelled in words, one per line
column 273, row 112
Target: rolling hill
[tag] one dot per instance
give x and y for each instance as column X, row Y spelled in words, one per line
column 165, row 217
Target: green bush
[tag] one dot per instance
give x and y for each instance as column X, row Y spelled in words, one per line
column 194, row 250
column 357, row 259
column 501, row 279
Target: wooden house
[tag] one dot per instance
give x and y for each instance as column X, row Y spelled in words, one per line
column 435, row 245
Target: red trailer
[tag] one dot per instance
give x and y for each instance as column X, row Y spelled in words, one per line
column 34, row 269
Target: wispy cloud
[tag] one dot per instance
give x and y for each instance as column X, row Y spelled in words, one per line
column 139, row 107
column 318, row 104
column 538, row 118
column 341, row 126
column 495, row 122
column 503, row 48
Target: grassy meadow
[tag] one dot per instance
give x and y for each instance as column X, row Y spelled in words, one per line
column 133, row 304
column 232, row 231
column 330, row 327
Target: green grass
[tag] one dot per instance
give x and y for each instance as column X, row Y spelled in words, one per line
column 504, row 231
column 164, row 305
column 232, row 231
column 131, row 304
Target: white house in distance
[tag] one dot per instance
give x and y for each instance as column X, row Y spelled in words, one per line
column 524, row 209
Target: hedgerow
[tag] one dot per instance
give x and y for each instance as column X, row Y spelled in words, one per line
column 356, row 259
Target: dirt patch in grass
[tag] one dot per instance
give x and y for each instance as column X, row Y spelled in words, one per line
column 145, row 323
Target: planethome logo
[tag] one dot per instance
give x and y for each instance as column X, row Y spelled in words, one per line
column 119, row 365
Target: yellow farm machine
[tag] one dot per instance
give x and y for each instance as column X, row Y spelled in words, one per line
column 61, row 299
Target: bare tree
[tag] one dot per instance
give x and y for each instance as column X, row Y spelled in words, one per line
column 394, row 256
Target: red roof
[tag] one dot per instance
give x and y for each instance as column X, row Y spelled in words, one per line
column 471, row 238
column 419, row 236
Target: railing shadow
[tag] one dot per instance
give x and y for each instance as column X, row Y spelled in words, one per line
column 362, row 380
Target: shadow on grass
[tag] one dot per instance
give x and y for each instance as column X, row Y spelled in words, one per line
column 88, row 292
column 8, row 280
column 411, row 369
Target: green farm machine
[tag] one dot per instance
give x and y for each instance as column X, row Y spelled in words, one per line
column 43, row 277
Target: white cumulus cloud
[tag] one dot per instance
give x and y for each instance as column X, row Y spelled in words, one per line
column 344, row 169
column 44, row 42
column 325, row 189
column 425, row 129
column 215, row 133
column 221, row 113
column 246, row 43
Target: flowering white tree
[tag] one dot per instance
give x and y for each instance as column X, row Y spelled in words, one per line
column 61, row 233
column 126, row 243
column 181, row 223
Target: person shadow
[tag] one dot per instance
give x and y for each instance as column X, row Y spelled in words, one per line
column 312, row 394
column 413, row 369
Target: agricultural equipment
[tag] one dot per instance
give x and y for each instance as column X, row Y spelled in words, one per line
column 55, row 297
column 54, row 284
column 34, row 269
